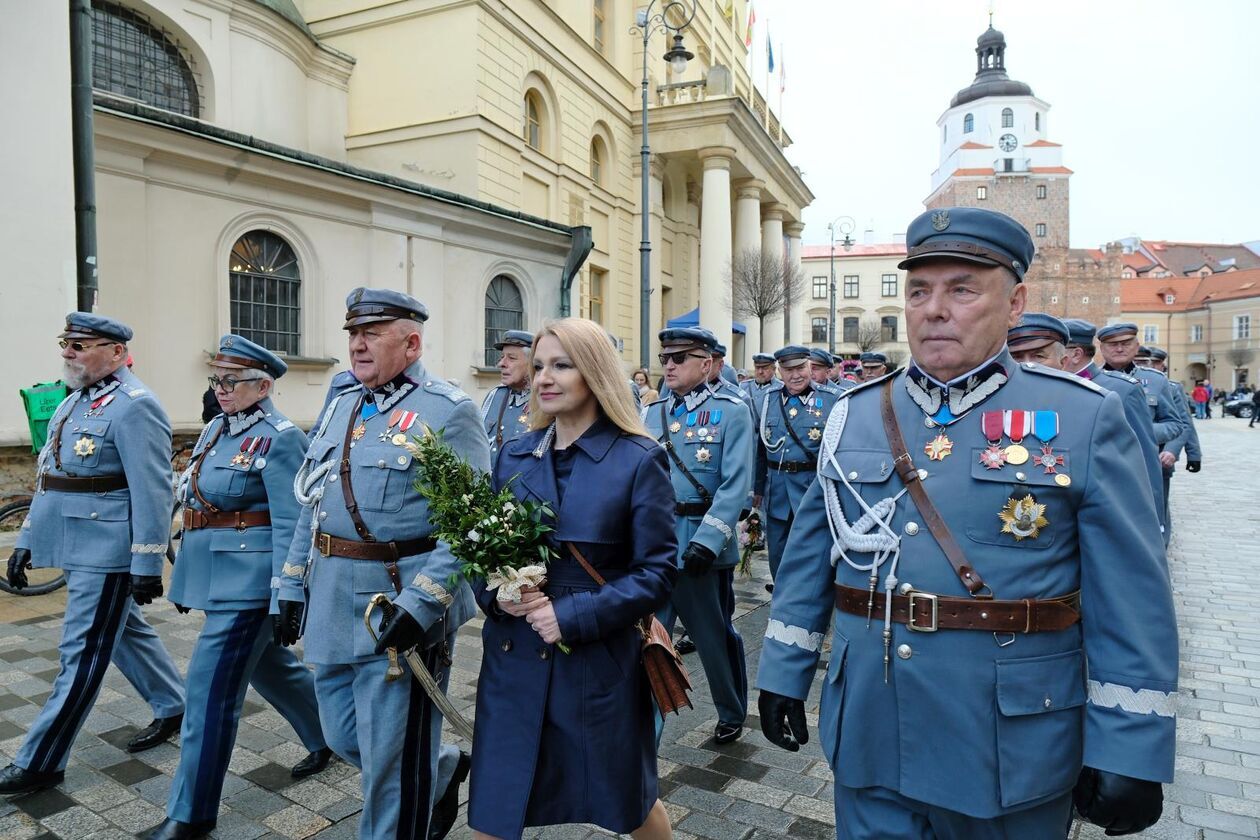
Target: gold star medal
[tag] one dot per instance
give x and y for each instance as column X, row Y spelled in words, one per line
column 815, row 433
column 240, row 458
column 84, row 446
column 676, row 427
column 523, row 419
column 938, row 448
column 703, row 455
column 1023, row 518
column 359, row 431
column 792, row 412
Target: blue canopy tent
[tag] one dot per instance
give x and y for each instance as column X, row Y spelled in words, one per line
column 692, row 319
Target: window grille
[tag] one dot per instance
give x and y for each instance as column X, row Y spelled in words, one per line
column 132, row 57
column 265, row 292
column 505, row 310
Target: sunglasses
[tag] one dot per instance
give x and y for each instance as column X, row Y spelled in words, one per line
column 678, row 358
column 228, row 383
column 79, row 346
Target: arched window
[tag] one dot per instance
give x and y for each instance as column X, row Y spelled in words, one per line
column 134, row 58
column 505, row 310
column 533, row 129
column 265, row 285
column 969, row 124
column 599, row 158
column 1008, row 118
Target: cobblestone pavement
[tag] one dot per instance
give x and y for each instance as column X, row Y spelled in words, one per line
column 738, row 792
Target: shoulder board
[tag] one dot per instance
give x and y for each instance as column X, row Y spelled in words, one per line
column 1158, row 373
column 134, row 392
column 1042, row 370
column 445, row 389
column 827, row 388
column 1121, row 375
column 279, row 422
column 861, row 386
column 728, row 396
column 776, row 385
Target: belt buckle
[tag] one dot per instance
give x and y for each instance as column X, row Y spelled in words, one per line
column 324, row 543
column 930, row 598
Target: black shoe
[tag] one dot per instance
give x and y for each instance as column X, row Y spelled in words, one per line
column 15, row 780
column 312, row 764
column 170, row 829
column 447, row 808
column 685, row 645
column 155, row 733
column 770, row 588
column 727, row 732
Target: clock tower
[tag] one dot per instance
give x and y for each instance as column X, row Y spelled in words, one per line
column 995, row 152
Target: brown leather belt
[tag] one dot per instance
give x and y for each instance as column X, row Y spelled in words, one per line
column 91, row 484
column 927, row 613
column 240, row 520
column 691, row 508
column 330, row 546
column 792, row 466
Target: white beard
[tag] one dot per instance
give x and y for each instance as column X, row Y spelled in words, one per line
column 75, row 376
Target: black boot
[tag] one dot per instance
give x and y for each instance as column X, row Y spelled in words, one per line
column 15, row 780
column 155, row 733
column 447, row 808
column 170, row 829
column 312, row 764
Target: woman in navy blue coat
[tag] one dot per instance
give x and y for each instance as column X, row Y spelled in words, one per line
column 569, row 738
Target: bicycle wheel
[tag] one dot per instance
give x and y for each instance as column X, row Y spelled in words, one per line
column 41, row 581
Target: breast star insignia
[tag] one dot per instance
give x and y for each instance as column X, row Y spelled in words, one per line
column 84, row 446
column 815, row 434
column 1023, row 518
column 703, row 455
column 938, row 448
column 675, row 427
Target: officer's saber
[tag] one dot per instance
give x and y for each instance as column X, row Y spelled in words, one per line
column 422, row 675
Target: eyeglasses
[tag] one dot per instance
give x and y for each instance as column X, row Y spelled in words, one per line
column 678, row 358
column 228, row 383
column 79, row 346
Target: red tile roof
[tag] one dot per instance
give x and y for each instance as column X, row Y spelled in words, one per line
column 1147, row 294
column 976, row 171
column 1041, row 143
column 970, row 144
column 1050, row 170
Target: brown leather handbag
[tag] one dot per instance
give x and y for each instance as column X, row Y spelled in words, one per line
column 666, row 673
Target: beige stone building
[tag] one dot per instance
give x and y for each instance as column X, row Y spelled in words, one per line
column 1209, row 325
column 870, row 308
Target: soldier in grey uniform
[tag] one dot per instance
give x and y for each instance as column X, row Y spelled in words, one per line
column 708, row 435
column 820, row 366
column 505, row 410
column 1119, row 346
column 364, row 530
column 1187, row 441
column 722, row 377
column 984, row 541
column 874, row 365
column 1078, row 358
column 762, row 378
column 238, row 518
column 101, row 512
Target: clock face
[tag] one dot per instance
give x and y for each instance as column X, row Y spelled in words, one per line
column 1007, row 142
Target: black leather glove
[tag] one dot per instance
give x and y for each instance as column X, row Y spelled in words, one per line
column 181, row 609
column 697, row 559
column 782, row 720
column 286, row 628
column 19, row 562
column 1194, row 466
column 1117, row 803
column 398, row 630
column 144, row 588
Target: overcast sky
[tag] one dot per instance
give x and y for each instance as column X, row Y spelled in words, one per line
column 1156, row 103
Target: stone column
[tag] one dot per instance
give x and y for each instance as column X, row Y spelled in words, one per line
column 772, row 246
column 748, row 243
column 715, row 242
column 797, row 325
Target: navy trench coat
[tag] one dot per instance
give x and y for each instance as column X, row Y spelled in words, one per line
column 569, row 738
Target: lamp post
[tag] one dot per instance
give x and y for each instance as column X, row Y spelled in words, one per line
column 648, row 24
column 846, row 226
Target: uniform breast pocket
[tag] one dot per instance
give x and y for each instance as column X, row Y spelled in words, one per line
column 1032, row 501
column 226, row 479
column 242, row 564
column 1040, row 705
column 82, row 443
column 382, row 481
column 702, row 455
column 97, row 526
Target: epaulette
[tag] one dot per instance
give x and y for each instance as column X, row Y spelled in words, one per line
column 445, row 389
column 727, row 395
column 776, row 385
column 134, row 392
column 1042, row 370
column 861, row 386
column 1156, row 371
column 279, row 422
column 827, row 388
column 1119, row 374
column 658, row 400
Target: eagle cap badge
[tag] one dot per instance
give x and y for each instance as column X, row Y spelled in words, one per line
column 940, row 220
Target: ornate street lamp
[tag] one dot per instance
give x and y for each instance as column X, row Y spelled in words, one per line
column 648, row 24
column 846, row 226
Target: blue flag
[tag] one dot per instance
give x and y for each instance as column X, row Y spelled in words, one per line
column 769, row 50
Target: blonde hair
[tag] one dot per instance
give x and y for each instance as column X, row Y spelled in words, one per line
column 588, row 348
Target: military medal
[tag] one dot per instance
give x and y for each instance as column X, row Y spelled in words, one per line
column 1046, row 428
column 815, row 433
column 1062, row 480
column 359, row 431
column 1049, row 459
column 676, row 427
column 792, row 412
column 1023, row 518
column 398, row 439
column 689, row 434
column 84, row 446
column 938, row 448
column 993, row 458
column 703, row 455
column 523, row 418
column 98, row 406
column 1016, row 424
column 260, row 461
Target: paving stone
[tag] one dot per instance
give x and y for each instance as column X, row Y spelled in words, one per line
column 296, row 822
column 1245, row 826
column 706, row 825
column 74, row 823
column 136, row 816
column 697, row 799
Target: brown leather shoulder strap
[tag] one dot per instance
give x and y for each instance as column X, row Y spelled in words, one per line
column 498, row 423
column 668, row 443
column 347, row 490
column 196, row 470
column 910, row 477
column 590, row 570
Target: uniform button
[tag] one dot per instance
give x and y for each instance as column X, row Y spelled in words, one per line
column 544, row 654
column 1048, row 703
column 323, row 514
column 402, row 459
column 332, row 477
column 929, row 422
column 912, row 528
column 95, row 515
column 853, row 475
column 905, row 588
column 923, row 474
column 211, row 453
column 507, row 645
column 381, row 463
column 905, row 651
column 242, row 545
column 1019, row 476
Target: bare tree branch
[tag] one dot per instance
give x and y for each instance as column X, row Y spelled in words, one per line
column 1240, row 356
column 870, row 335
column 763, row 286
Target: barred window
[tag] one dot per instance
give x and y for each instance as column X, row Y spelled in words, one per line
column 1008, row 118
column 505, row 310
column 133, row 57
column 265, row 292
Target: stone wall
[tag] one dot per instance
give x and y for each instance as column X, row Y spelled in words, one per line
column 17, row 467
